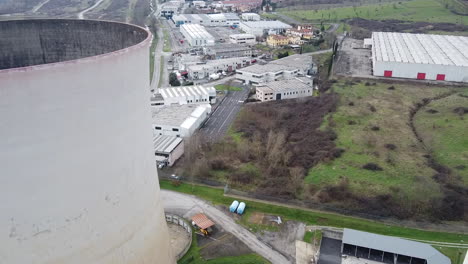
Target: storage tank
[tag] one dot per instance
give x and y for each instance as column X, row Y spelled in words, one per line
column 233, row 206
column 78, row 181
column 241, row 208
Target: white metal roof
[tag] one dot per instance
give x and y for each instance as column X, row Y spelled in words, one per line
column 165, row 144
column 286, row 85
column 266, row 24
column 420, row 48
column 197, row 31
column 186, row 91
column 394, row 245
column 237, row 36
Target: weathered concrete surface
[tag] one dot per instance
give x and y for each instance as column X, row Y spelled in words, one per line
column 78, row 181
column 306, row 253
column 32, row 42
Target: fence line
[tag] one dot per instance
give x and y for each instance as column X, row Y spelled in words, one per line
column 178, row 220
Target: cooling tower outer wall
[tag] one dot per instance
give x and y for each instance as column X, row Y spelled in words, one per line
column 78, row 180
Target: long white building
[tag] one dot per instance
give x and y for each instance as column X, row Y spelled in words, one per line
column 250, row 17
column 212, row 20
column 188, row 95
column 285, row 89
column 258, row 28
column 179, row 120
column 203, row 71
column 196, row 35
column 420, row 56
column 167, row 149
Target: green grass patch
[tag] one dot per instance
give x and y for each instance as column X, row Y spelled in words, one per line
column 152, row 50
column 402, row 176
column 313, row 237
column 225, row 87
column 456, row 255
column 416, row 10
column 167, row 42
column 161, row 71
column 216, row 195
column 445, row 132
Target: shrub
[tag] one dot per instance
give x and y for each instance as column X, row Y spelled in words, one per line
column 432, row 111
column 375, row 128
column 372, row 167
column 351, row 122
column 391, row 88
column 351, row 104
column 372, row 108
column 390, row 146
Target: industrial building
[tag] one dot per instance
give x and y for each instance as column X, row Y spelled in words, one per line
column 250, row 17
column 387, row 249
column 168, row 9
column 420, row 56
column 187, row 95
column 259, row 28
column 196, row 35
column 242, row 39
column 167, row 149
column 285, row 89
column 282, row 69
column 211, row 20
column 78, row 176
column 204, row 70
column 227, row 50
column 179, row 120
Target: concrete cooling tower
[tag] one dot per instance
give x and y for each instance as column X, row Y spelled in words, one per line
column 78, row 181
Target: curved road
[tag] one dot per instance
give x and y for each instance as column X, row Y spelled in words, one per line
column 188, row 205
column 82, row 13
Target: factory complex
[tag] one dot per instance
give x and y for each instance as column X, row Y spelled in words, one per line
column 211, row 20
column 281, row 69
column 259, row 28
column 419, row 56
column 227, row 50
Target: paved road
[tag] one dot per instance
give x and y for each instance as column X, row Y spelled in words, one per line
column 222, row 117
column 188, row 205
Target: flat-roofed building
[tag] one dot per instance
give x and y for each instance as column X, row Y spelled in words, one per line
column 227, row 50
column 179, row 120
column 282, row 69
column 285, row 89
column 250, row 17
column 258, row 28
column 210, row 20
column 387, row 249
column 187, row 95
column 196, row 35
column 168, row 149
column 243, row 38
column 420, row 56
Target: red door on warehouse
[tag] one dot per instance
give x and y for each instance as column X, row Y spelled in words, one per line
column 421, row 76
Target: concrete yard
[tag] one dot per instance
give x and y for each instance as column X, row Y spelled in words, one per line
column 353, row 60
column 330, row 251
column 180, row 238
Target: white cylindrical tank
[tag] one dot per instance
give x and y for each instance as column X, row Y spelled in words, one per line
column 78, row 182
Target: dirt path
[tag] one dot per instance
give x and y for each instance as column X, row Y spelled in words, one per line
column 82, row 13
column 188, row 205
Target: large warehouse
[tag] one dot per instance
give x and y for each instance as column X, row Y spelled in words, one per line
column 78, row 177
column 390, row 250
column 179, row 120
column 420, row 56
column 258, row 28
column 196, row 35
column 187, row 95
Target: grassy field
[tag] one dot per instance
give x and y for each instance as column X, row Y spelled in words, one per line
column 416, row 10
column 152, row 49
column 446, row 132
column 193, row 256
column 311, row 217
column 161, row 71
column 225, row 87
column 368, row 118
